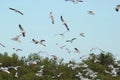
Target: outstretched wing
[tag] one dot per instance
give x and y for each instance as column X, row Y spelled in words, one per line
column 61, row 18
column 21, row 27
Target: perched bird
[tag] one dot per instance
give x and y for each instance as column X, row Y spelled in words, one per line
column 51, row 17
column 16, row 11
column 71, row 40
column 64, row 23
column 16, row 38
column 22, row 30
column 117, row 7
column 2, row 45
column 91, row 12
column 82, row 34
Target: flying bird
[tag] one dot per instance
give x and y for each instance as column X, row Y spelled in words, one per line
column 117, row 8
column 64, row 23
column 91, row 12
column 40, row 42
column 22, row 30
column 16, row 11
column 2, row 45
column 82, row 34
column 77, row 50
column 16, row 38
column 71, row 40
column 51, row 17
column 75, row 1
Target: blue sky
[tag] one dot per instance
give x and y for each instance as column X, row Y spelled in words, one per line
column 101, row 30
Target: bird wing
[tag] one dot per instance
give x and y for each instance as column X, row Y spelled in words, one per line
column 21, row 28
column 66, row 26
column 61, row 18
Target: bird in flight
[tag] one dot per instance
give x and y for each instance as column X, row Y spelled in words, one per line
column 40, row 42
column 64, row 23
column 51, row 17
column 91, row 12
column 16, row 38
column 82, row 34
column 71, row 40
column 22, row 30
column 75, row 1
column 77, row 50
column 2, row 45
column 16, row 11
column 117, row 7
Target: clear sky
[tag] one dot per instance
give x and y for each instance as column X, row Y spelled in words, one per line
column 101, row 29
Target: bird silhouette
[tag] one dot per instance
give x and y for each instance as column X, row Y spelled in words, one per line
column 16, row 11
column 64, row 23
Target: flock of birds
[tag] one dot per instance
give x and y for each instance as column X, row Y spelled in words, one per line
column 88, row 71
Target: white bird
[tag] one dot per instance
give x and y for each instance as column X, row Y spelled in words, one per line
column 51, row 17
column 16, row 11
column 5, row 69
column 117, row 8
column 64, row 23
column 91, row 12
column 75, row 1
column 71, row 40
column 82, row 34
column 77, row 50
column 16, row 75
column 16, row 38
column 2, row 45
column 22, row 30
column 68, row 50
column 40, row 42
column 39, row 73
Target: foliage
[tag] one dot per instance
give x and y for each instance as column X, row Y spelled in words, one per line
column 28, row 72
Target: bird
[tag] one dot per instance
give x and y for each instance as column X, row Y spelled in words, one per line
column 16, row 38
column 35, row 41
column 82, row 34
column 68, row 50
column 51, row 17
column 17, row 49
column 91, row 12
column 22, row 30
column 77, row 50
column 71, row 40
column 117, row 8
column 16, row 11
column 75, row 1
column 64, row 23
column 2, row 45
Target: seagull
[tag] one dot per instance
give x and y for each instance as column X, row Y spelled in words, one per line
column 51, row 17
column 68, row 50
column 17, row 49
column 75, row 1
column 35, row 41
column 91, row 12
column 2, row 45
column 82, row 34
column 16, row 74
column 16, row 38
column 41, row 42
column 71, row 40
column 16, row 11
column 62, row 34
column 117, row 8
column 5, row 69
column 22, row 30
column 77, row 50
column 64, row 23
